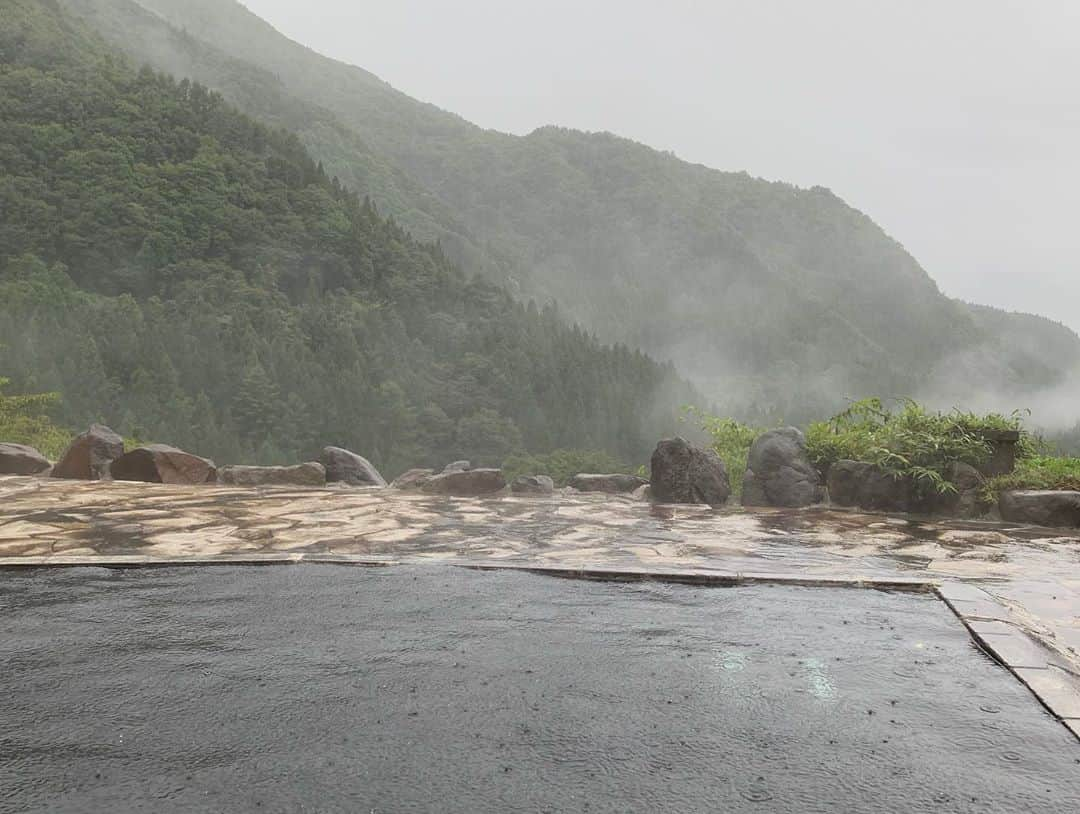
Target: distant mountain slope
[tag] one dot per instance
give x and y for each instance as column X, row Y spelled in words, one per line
column 145, row 37
column 997, row 375
column 191, row 276
column 780, row 301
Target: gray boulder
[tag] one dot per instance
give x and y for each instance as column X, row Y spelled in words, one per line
column 966, row 502
column 90, row 455
column 306, row 474
column 1056, row 509
column 779, row 472
column 18, row 459
column 471, row 483
column 343, row 466
column 682, row 473
column 412, row 479
column 532, row 485
column 865, row 486
column 157, row 463
column 612, row 484
column 457, row 466
column 845, row 482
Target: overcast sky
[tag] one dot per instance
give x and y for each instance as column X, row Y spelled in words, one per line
column 955, row 124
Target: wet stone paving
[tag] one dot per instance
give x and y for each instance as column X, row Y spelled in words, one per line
column 1017, row 589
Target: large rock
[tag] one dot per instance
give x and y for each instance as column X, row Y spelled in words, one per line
column 865, row 486
column 90, row 455
column 532, row 485
column 412, row 479
column 157, row 463
column 779, row 472
column 1057, row 509
column 612, row 484
column 343, row 466
column 471, row 483
column 682, row 473
column 18, row 459
column 458, row 466
column 306, row 474
column 966, row 502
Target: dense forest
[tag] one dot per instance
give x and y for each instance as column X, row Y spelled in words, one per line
column 780, row 302
column 189, row 275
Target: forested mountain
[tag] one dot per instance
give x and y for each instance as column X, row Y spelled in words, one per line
column 145, row 37
column 192, row 276
column 781, row 301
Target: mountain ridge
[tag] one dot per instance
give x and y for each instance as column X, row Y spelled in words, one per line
column 781, row 301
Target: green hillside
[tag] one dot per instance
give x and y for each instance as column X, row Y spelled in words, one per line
column 189, row 275
column 260, row 93
column 780, row 301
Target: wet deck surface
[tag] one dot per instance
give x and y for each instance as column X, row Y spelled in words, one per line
column 1018, row 588
column 425, row 688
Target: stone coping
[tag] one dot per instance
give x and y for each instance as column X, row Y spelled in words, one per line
column 1048, row 676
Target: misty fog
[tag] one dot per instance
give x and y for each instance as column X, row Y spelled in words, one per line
column 953, row 124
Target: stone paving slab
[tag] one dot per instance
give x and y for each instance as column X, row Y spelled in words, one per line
column 1016, row 588
column 1047, row 672
column 1016, row 649
column 1056, row 688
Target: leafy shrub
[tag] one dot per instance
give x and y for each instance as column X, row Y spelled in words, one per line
column 562, row 464
column 1038, row 472
column 731, row 440
column 910, row 441
column 25, row 420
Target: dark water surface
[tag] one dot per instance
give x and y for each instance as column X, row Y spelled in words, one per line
column 331, row 689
